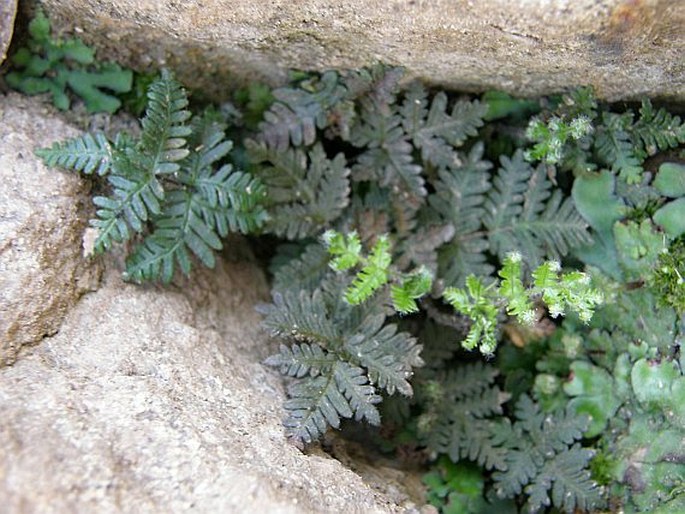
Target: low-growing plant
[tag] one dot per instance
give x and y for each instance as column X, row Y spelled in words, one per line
column 166, row 188
column 50, row 65
column 404, row 249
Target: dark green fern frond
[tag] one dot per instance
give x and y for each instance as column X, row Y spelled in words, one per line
column 129, row 206
column 459, row 402
column 459, row 197
column 541, row 452
column 306, row 191
column 296, row 113
column 164, row 130
column 387, row 158
column 320, row 402
column 435, row 132
column 302, row 359
column 521, row 215
column 614, row 146
column 87, row 153
column 656, row 130
column 301, row 317
column 387, row 354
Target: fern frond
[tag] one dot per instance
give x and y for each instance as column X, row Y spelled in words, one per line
column 164, row 130
column 541, row 452
column 305, row 272
column 302, row 359
column 516, row 221
column 373, row 275
column 387, row 158
column 459, row 201
column 297, row 112
column 301, row 316
column 319, row 402
column 434, row 132
column 656, row 130
column 127, row 209
column 412, row 287
column 566, row 474
column 387, row 354
column 181, row 228
column 306, row 190
column 456, row 422
column 615, row 148
column 87, row 153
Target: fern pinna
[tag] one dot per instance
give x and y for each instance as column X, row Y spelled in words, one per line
column 167, row 189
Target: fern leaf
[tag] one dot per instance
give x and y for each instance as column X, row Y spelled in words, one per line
column 569, row 479
column 313, row 406
column 126, row 209
column 615, row 148
column 319, row 402
column 302, row 359
column 515, row 218
column 297, row 112
column 387, row 354
column 163, row 127
column 413, row 286
column 87, row 153
column 388, row 156
column 540, row 453
column 459, row 201
column 435, row 132
column 355, row 386
column 301, row 316
column 373, row 275
column 305, row 272
column 459, row 426
column 306, row 191
column 656, row 130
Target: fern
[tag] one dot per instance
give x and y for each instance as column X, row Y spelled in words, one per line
column 434, row 132
column 343, row 355
column 305, row 191
column 161, row 185
column 458, row 406
column 89, row 153
column 541, row 456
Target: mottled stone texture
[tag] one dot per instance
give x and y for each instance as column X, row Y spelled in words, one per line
column 154, row 400
column 42, row 219
column 624, row 48
column 8, row 9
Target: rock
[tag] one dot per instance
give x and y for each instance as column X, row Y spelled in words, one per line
column 137, row 399
column 152, row 400
column 8, row 9
column 624, row 48
column 42, row 219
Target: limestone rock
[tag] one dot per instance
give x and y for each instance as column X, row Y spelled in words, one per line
column 154, row 400
column 624, row 48
column 42, row 219
column 8, row 9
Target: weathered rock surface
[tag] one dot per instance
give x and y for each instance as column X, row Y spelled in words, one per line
column 42, row 218
column 8, row 9
column 151, row 400
column 144, row 399
column 624, row 48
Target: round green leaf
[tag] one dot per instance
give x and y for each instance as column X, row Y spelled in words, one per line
column 671, row 217
column 670, row 181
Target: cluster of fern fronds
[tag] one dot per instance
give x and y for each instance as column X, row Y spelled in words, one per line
column 416, row 227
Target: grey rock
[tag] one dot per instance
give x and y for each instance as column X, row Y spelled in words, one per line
column 623, row 48
column 8, row 10
column 42, row 220
column 151, row 400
